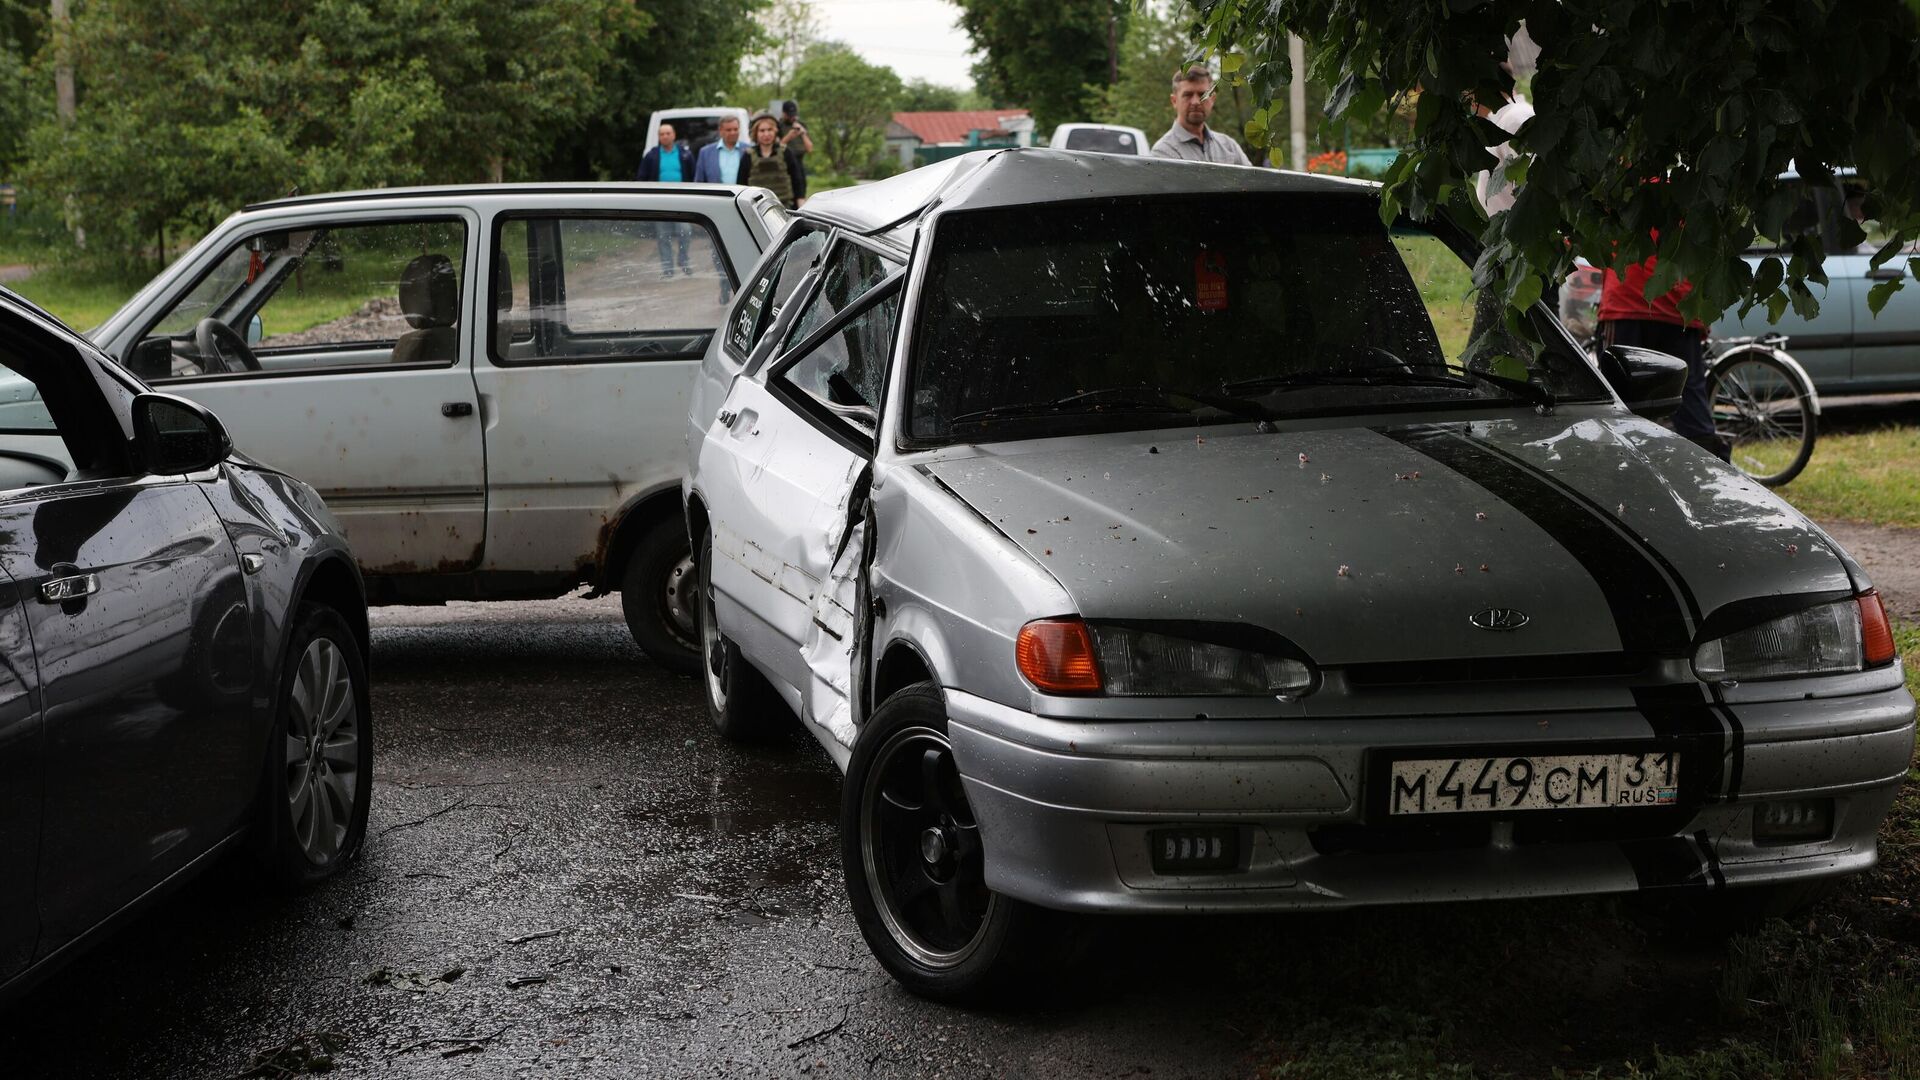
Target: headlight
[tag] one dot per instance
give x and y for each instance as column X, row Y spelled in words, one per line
column 1828, row 639
column 1070, row 656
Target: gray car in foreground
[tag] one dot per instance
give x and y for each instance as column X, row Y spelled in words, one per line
column 1143, row 536
column 183, row 655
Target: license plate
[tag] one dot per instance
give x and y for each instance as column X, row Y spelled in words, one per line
column 1534, row 782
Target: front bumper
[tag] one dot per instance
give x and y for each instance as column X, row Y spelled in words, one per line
column 1065, row 806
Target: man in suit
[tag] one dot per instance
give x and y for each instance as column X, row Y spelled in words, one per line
column 721, row 160
column 669, row 163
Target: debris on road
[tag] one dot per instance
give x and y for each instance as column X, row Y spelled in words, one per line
column 307, row 1052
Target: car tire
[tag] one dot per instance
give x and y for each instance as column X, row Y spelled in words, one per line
column 740, row 702
column 656, row 595
column 914, row 868
column 310, row 817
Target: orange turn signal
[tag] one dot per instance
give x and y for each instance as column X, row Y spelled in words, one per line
column 1876, row 633
column 1056, row 656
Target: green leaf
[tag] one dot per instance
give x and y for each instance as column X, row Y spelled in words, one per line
column 1525, row 292
column 1887, row 251
column 1878, row 296
column 1776, row 307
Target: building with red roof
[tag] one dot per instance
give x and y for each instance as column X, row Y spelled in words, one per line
column 955, row 132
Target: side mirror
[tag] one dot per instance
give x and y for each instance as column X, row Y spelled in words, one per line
column 173, row 435
column 255, row 330
column 1649, row 382
column 151, row 358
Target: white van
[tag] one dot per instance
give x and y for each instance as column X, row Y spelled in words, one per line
column 695, row 127
column 1101, row 139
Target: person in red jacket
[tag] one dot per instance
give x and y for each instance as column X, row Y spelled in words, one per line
column 1627, row 317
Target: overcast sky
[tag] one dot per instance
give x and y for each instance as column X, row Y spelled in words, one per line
column 919, row 39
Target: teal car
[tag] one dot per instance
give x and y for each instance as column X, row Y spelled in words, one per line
column 1845, row 348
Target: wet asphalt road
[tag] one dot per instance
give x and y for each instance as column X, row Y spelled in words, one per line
column 549, row 806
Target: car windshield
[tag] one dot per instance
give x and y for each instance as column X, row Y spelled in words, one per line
column 1064, row 318
column 1102, row 140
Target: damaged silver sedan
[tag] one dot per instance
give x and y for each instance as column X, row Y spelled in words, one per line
column 1141, row 536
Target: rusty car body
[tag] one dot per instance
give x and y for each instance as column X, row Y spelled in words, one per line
column 485, row 383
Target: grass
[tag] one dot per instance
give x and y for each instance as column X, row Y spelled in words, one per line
column 80, row 298
column 1871, row 476
column 1446, row 284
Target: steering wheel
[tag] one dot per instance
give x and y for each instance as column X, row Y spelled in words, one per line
column 222, row 348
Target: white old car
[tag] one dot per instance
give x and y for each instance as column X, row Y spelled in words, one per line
column 487, row 384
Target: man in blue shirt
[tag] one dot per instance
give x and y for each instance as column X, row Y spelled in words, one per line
column 720, row 161
column 669, row 163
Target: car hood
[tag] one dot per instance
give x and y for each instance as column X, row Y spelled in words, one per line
column 1383, row 543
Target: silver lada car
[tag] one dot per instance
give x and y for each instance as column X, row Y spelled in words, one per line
column 1142, row 536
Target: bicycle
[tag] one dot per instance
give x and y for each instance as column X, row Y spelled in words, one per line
column 1763, row 402
column 1764, row 406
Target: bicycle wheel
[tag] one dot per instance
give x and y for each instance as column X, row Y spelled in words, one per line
column 1761, row 409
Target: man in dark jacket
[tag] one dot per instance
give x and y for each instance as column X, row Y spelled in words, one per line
column 669, row 163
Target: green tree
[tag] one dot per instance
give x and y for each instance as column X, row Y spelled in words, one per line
column 1714, row 99
column 190, row 108
column 22, row 103
column 786, row 30
column 684, row 53
column 920, row 95
column 847, row 102
column 1043, row 54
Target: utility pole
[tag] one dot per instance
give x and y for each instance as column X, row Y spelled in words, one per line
column 1297, row 100
column 63, row 102
column 1113, row 49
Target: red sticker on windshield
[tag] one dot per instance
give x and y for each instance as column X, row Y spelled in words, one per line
column 1210, row 281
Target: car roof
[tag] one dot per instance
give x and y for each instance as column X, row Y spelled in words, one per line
column 1031, row 175
column 475, row 190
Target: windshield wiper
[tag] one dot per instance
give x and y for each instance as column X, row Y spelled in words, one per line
column 1526, row 391
column 1117, row 399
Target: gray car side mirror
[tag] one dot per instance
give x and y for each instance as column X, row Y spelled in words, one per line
column 172, row 435
column 1649, row 382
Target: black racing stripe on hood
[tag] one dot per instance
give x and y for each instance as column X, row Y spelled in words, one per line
column 1647, row 613
column 1675, row 580
column 1653, row 611
column 1735, row 732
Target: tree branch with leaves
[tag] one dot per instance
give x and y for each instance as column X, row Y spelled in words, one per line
column 1676, row 119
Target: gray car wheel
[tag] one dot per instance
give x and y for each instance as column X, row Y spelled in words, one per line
column 659, row 598
column 312, row 809
column 915, row 866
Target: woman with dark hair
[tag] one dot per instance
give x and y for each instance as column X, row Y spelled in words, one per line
column 769, row 165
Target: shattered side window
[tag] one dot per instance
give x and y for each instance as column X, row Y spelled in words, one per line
column 767, row 294
column 852, row 271
column 846, row 371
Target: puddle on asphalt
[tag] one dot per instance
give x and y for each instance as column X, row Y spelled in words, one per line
column 743, row 837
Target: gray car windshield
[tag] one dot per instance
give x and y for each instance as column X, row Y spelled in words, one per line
column 1126, row 314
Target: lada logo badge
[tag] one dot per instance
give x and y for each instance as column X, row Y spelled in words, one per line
column 1500, row 618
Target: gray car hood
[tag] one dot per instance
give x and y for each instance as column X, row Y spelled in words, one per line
column 1380, row 543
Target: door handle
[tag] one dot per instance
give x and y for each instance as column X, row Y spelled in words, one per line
column 62, row 589
column 1886, row 273
column 455, row 409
